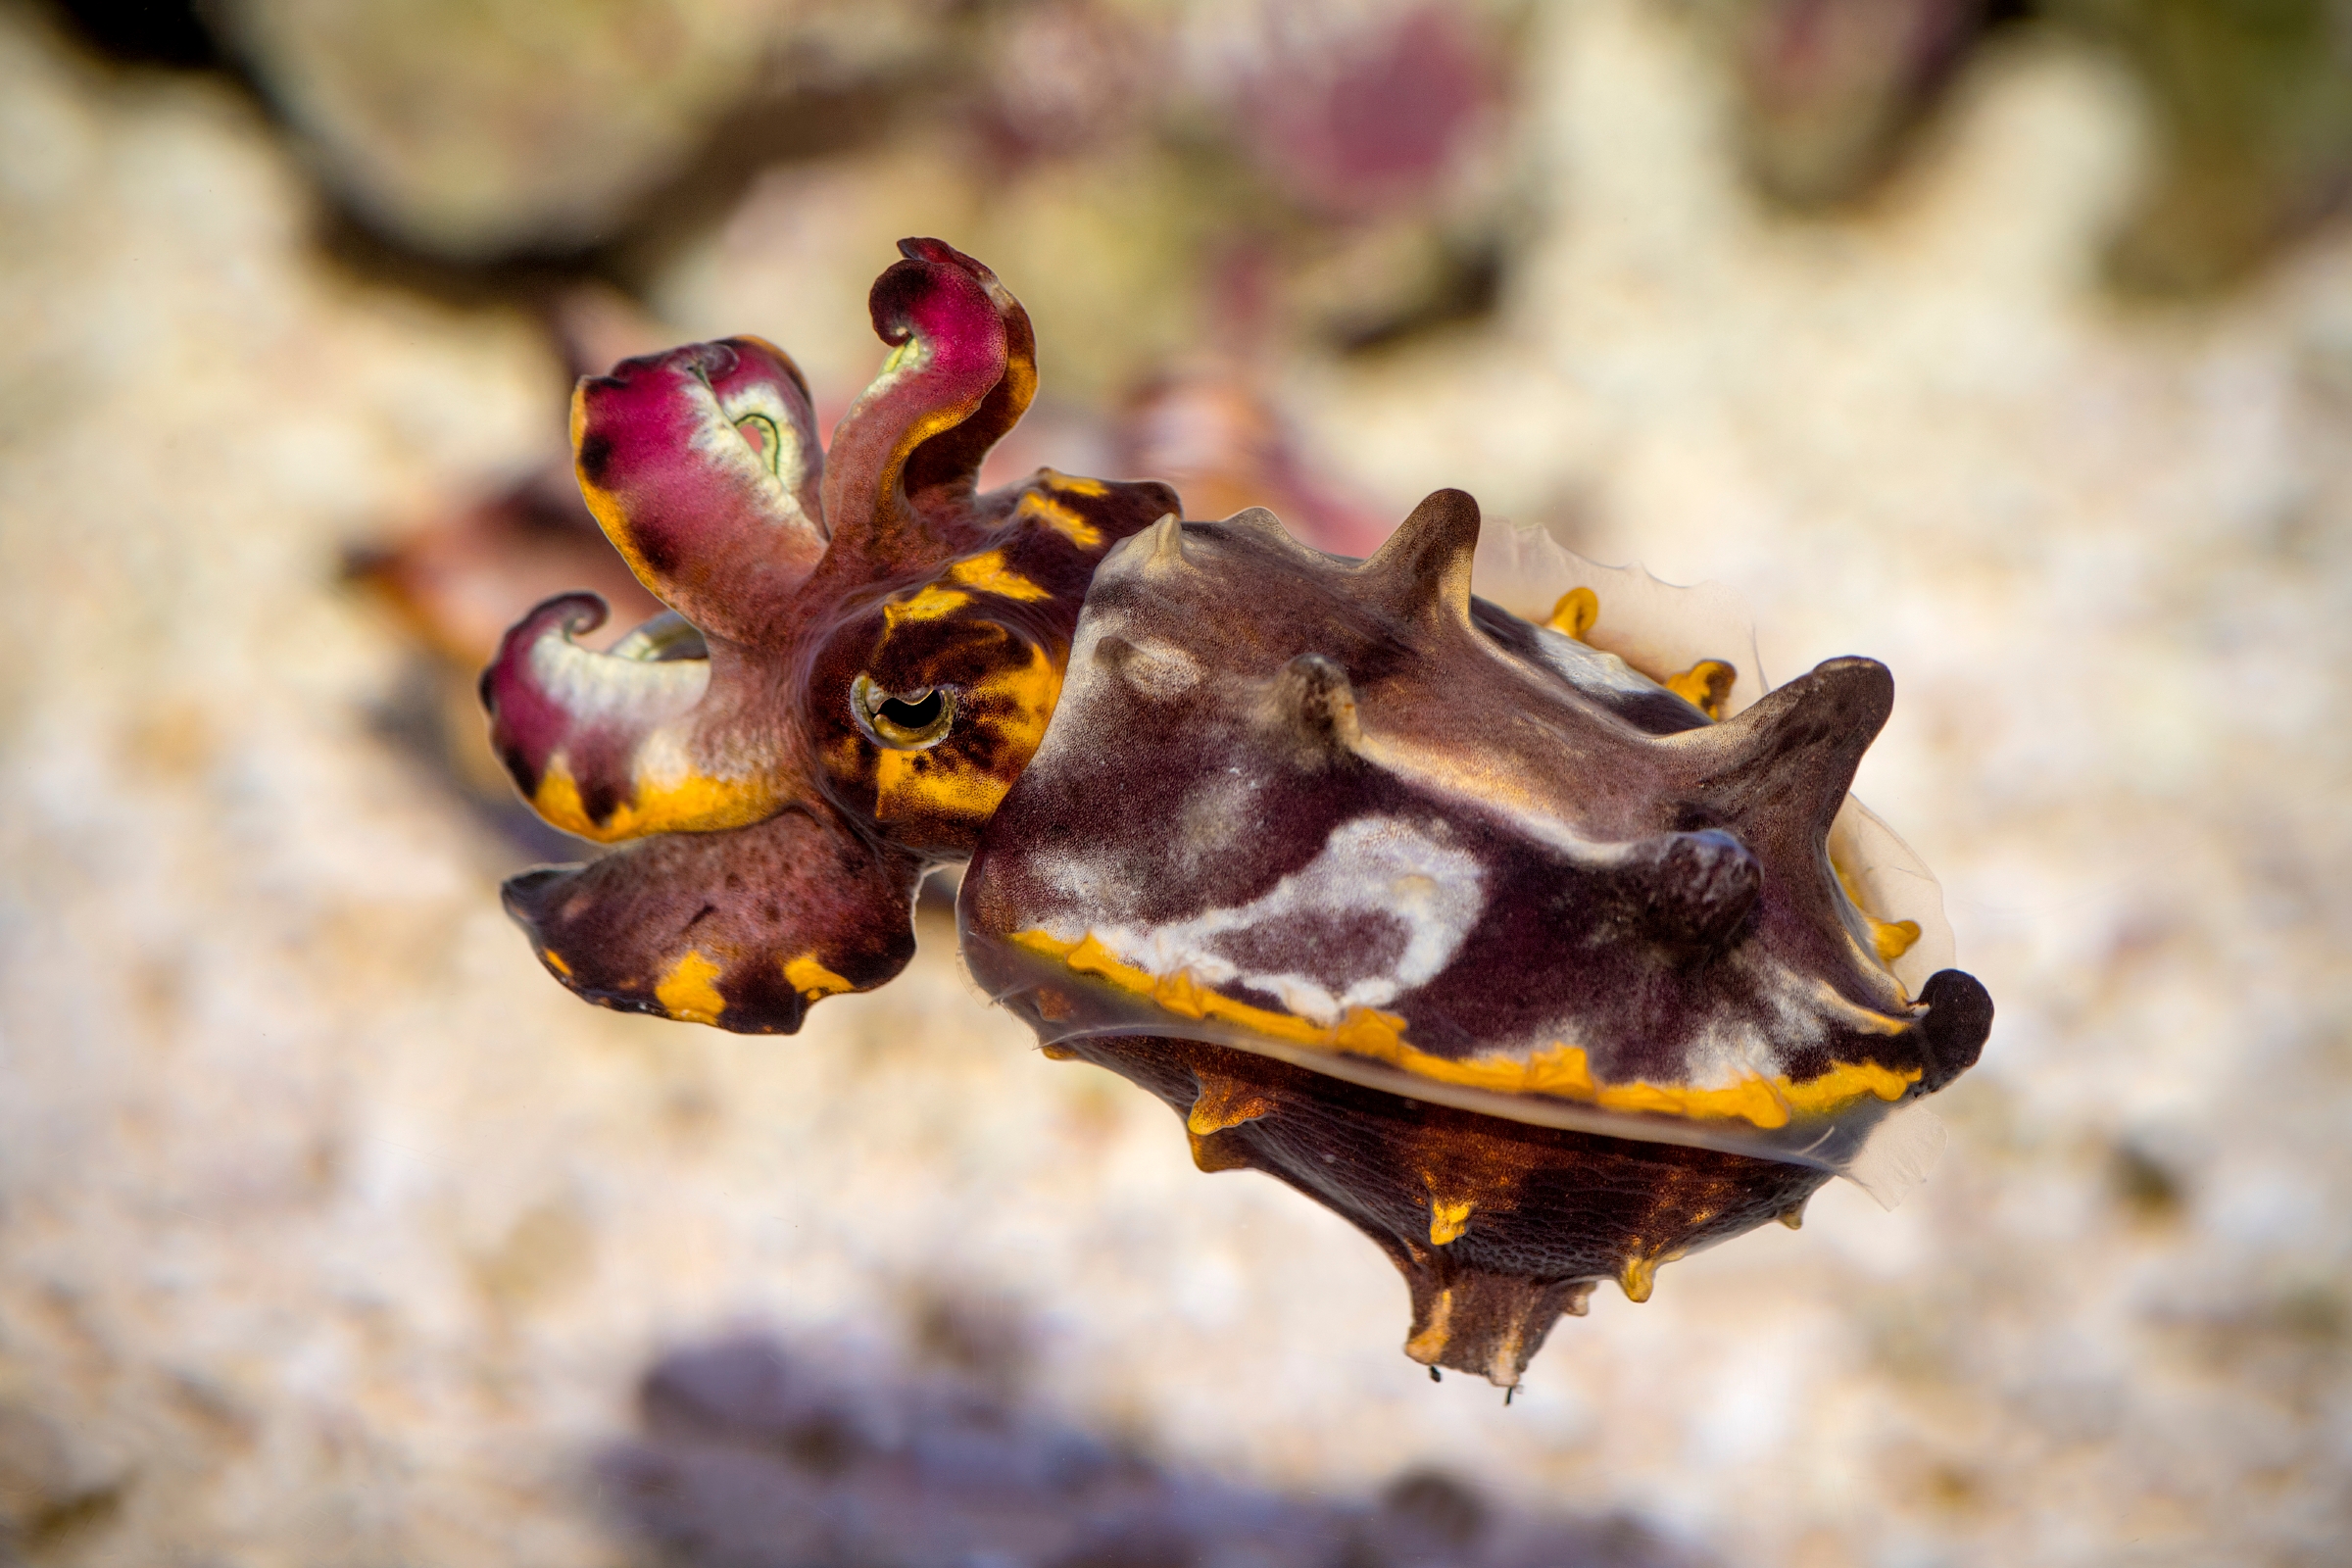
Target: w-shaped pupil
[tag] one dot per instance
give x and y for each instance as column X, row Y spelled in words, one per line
column 916, row 713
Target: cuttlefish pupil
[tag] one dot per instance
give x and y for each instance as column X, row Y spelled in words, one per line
column 759, row 431
column 911, row 722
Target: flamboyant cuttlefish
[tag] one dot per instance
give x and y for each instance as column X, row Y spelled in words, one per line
column 1536, row 968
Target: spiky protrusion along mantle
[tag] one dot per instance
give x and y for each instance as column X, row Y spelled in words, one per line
column 1498, row 1226
column 1510, row 954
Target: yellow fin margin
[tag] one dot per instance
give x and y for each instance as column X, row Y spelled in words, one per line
column 689, row 993
column 1561, row 1071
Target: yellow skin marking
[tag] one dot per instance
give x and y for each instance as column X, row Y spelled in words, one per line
column 812, row 980
column 1575, row 614
column 1794, row 1216
column 1430, row 1344
column 555, row 960
column 1561, row 1071
column 1446, row 1221
column 689, row 992
column 1705, row 686
column 930, row 602
column 1073, row 484
column 910, row 786
column 988, row 574
column 1211, row 1156
column 1890, row 939
column 1062, row 519
column 1640, row 1275
column 695, row 804
column 1225, row 1102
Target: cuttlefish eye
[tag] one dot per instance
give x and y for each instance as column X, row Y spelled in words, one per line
column 904, row 722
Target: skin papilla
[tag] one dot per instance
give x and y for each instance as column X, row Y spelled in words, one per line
column 1512, row 956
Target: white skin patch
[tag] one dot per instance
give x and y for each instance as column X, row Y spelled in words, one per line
column 591, row 686
column 1371, row 866
column 1161, row 669
column 717, row 436
column 1590, row 669
column 1726, row 1052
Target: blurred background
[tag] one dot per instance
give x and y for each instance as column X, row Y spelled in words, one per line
column 2007, row 342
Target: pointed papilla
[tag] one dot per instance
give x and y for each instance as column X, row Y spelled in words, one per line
column 1784, row 766
column 1424, row 567
column 1693, row 891
column 1315, row 700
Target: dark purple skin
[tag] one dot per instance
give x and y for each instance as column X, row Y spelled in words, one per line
column 1278, row 780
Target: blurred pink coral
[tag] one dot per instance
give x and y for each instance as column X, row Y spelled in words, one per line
column 1355, row 115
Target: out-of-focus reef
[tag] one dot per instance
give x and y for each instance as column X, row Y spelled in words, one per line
column 478, row 130
column 2249, row 109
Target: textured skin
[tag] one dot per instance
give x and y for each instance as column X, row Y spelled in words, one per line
column 1553, row 1211
column 778, row 835
column 1342, row 816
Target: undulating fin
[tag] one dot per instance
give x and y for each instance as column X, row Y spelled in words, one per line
column 1530, row 1217
column 1424, row 567
column 743, row 929
column 956, row 332
column 703, row 467
column 617, row 745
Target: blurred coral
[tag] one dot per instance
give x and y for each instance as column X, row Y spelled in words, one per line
column 1211, row 429
column 2252, row 103
column 1831, row 89
column 2249, row 103
column 1355, row 109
